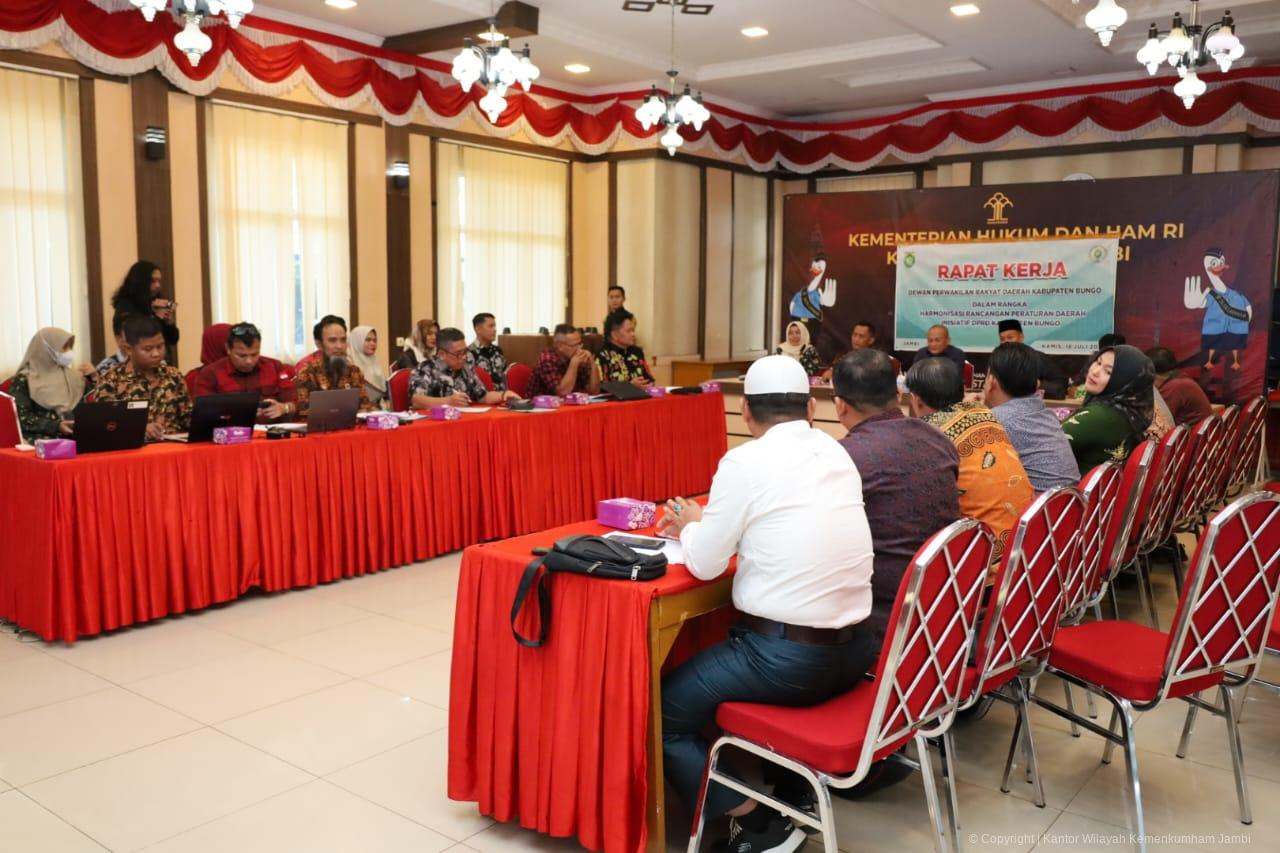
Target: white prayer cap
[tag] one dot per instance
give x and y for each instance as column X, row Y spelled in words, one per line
column 776, row 374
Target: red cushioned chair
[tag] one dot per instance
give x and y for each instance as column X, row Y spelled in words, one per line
column 1217, row 639
column 1173, row 457
column 398, row 385
column 10, row 429
column 968, row 374
column 1223, row 459
column 6, row 386
column 1206, row 446
column 1023, row 613
column 897, row 365
column 1248, row 449
column 917, row 688
column 518, row 376
column 190, row 379
column 485, row 379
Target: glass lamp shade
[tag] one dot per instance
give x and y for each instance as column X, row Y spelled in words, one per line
column 467, row 67
column 1177, row 44
column 1224, row 47
column 192, row 41
column 1104, row 19
column 1152, row 54
column 493, row 104
column 149, row 7
column 1189, row 88
column 686, row 107
column 526, row 71
column 236, row 10
column 671, row 139
column 652, row 110
column 503, row 66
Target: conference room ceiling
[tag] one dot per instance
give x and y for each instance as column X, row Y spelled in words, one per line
column 828, row 58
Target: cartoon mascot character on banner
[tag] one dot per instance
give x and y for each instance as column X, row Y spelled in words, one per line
column 820, row 292
column 1227, row 314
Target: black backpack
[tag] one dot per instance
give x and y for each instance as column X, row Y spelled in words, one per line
column 582, row 555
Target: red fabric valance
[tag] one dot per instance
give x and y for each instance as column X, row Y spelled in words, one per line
column 270, row 57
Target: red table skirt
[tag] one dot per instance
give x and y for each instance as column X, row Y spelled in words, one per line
column 555, row 737
column 112, row 539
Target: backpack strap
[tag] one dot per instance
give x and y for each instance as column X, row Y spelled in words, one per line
column 527, row 581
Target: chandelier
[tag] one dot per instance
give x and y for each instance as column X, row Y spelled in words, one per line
column 671, row 109
column 496, row 68
column 192, row 41
column 1185, row 46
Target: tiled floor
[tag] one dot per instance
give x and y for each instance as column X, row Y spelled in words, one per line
column 314, row 721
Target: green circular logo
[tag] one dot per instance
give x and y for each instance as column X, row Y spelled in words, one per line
column 1098, row 254
column 909, row 259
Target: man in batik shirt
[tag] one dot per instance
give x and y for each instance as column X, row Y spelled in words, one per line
column 448, row 380
column 484, row 353
column 145, row 376
column 329, row 369
column 620, row 359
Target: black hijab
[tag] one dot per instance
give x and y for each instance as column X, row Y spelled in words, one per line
column 1130, row 389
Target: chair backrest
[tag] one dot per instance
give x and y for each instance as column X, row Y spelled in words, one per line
column 897, row 365
column 6, row 386
column 921, row 668
column 10, row 428
column 485, row 379
column 1101, row 491
column 1136, row 486
column 1223, row 458
column 968, row 374
column 1249, row 445
column 1228, row 600
column 1205, row 441
column 1170, row 470
column 518, row 376
column 398, row 386
column 1026, row 602
column 190, row 378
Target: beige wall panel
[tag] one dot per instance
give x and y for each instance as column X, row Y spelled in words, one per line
column 590, row 243
column 371, row 230
column 781, row 190
column 1230, row 158
column 1261, row 158
column 119, row 225
column 1117, row 164
column 1204, row 159
column 422, row 264
column 184, row 176
column 677, row 250
column 719, row 261
column 868, row 183
column 636, row 183
column 750, row 264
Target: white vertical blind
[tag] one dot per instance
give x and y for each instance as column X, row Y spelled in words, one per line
column 750, row 264
column 503, row 237
column 42, row 269
column 279, row 244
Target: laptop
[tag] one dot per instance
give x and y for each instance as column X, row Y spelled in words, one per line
column 218, row 410
column 623, row 391
column 329, row 411
column 116, row 425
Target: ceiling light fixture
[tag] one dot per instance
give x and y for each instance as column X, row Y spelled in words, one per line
column 963, row 10
column 490, row 35
column 1104, row 19
column 1187, row 47
column 577, row 68
column 755, row 32
column 192, row 41
column 670, row 109
column 341, row 4
column 496, row 68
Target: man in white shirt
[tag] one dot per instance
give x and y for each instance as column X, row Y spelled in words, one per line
column 789, row 505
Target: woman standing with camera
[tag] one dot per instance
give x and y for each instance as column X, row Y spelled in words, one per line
column 142, row 293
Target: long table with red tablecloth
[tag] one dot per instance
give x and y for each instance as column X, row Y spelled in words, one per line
column 566, row 738
column 113, row 539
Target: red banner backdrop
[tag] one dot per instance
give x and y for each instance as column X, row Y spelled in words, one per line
column 272, row 58
column 1168, row 228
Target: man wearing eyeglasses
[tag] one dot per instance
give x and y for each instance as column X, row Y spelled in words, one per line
column 245, row 370
column 566, row 367
column 447, row 379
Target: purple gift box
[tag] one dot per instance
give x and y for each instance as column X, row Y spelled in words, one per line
column 656, row 391
column 577, row 398
column 709, row 387
column 55, row 448
column 626, row 513
column 546, row 401
column 232, row 435
column 382, row 420
column 445, row 413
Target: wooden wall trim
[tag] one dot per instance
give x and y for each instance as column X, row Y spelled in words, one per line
column 55, row 64
column 399, row 250
column 733, row 242
column 770, row 248
column 152, row 184
column 568, row 244
column 435, row 231
column 1188, row 159
column 975, row 173
column 202, row 165
column 511, row 145
column 249, row 99
column 613, row 224
column 92, row 216
column 702, row 260
column 1097, row 148
column 353, row 315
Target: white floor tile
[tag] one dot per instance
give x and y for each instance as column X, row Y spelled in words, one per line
column 151, row 649
column 426, row 678
column 233, row 686
column 434, row 614
column 370, row 645
column 336, row 727
column 27, row 826
column 150, row 794
column 29, row 681
column 56, row 738
column 12, row 646
column 268, row 619
column 513, row 838
column 316, row 818
column 412, row 780
column 1071, row 832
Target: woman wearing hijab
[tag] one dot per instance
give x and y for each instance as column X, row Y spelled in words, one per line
column 363, row 351
column 798, row 347
column 1118, row 407
column 422, row 345
column 142, row 292
column 47, row 386
column 213, row 345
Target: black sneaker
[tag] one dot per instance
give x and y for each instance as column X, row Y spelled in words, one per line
column 780, row 835
column 799, row 797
